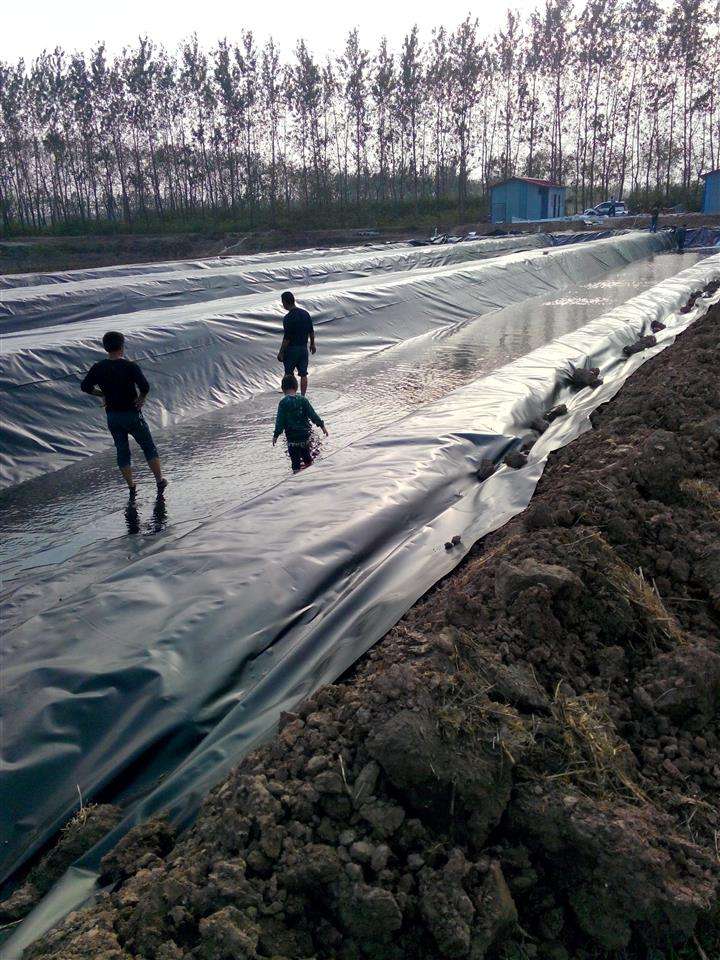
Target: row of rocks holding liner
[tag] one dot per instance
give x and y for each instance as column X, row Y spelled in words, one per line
column 590, row 377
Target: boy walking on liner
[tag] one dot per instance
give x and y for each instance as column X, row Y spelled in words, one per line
column 124, row 390
column 293, row 417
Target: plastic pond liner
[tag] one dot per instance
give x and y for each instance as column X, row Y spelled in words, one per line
column 155, row 681
column 202, row 355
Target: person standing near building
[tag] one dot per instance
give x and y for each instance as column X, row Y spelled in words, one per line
column 680, row 236
column 124, row 389
column 297, row 331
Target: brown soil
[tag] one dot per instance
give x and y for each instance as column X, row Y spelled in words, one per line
column 48, row 254
column 51, row 254
column 87, row 827
column 527, row 765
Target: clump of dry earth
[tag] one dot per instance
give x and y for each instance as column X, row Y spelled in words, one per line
column 527, row 765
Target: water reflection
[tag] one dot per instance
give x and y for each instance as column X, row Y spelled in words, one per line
column 132, row 518
column 156, row 522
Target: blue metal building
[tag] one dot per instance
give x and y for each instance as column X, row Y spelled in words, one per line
column 711, row 194
column 525, row 198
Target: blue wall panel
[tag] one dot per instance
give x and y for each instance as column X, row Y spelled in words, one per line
column 711, row 196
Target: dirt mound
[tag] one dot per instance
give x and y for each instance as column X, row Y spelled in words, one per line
column 87, row 827
column 528, row 763
column 31, row 254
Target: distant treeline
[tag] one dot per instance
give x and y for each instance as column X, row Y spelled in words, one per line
column 616, row 96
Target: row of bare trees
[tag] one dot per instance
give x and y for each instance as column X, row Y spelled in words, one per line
column 616, row 96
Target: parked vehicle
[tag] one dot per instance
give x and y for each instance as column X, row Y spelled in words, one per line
column 603, row 209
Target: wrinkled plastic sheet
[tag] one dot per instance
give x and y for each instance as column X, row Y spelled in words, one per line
column 703, row 237
column 13, row 280
column 572, row 236
column 31, row 308
column 10, row 281
column 200, row 356
column 206, row 640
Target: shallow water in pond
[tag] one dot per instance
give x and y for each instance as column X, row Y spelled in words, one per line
column 225, row 456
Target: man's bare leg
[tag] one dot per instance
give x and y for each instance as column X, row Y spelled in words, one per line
column 303, row 385
column 127, row 474
column 154, row 465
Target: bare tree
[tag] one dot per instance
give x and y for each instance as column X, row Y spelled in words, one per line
column 611, row 96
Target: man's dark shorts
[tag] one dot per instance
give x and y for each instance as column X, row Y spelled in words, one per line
column 296, row 358
column 124, row 424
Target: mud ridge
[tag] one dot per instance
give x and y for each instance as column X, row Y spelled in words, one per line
column 528, row 765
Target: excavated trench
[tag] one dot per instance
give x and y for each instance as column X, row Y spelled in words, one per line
column 222, row 456
column 204, row 355
column 419, row 365
column 528, row 763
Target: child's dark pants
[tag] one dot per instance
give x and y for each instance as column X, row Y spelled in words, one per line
column 299, row 453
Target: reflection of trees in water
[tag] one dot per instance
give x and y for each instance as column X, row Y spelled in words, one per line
column 461, row 359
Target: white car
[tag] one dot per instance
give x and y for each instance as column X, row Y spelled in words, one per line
column 603, row 209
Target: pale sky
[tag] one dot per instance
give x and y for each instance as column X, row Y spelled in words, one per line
column 28, row 27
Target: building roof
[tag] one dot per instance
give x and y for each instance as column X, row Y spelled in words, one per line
column 710, row 173
column 533, row 180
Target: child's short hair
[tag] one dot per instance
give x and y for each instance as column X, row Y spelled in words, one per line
column 113, row 341
column 288, row 299
column 289, row 382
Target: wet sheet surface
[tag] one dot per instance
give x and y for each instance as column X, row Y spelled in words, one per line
column 366, row 566
column 200, row 356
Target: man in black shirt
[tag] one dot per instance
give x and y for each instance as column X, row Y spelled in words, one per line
column 297, row 330
column 124, row 389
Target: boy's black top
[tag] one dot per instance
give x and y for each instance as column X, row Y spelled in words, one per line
column 297, row 327
column 120, row 380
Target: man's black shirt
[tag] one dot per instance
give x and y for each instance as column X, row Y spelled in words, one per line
column 120, row 380
column 297, row 327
